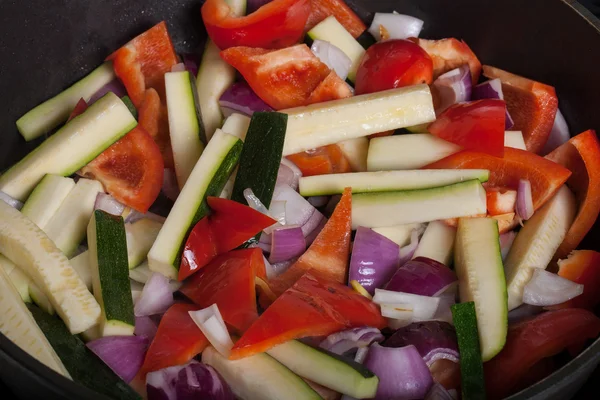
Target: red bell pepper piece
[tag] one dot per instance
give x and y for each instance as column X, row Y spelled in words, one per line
column 288, row 77
column 582, row 266
column 153, row 118
column 448, row 54
column 322, row 161
column 530, row 341
column 500, row 200
column 581, row 155
column 233, row 223
column 327, row 257
column 321, row 9
column 200, row 249
column 546, row 177
column 178, row 340
column 228, row 282
column 131, row 170
column 80, row 107
column 476, row 125
column 141, row 64
column 275, row 25
column 312, row 307
column 532, row 105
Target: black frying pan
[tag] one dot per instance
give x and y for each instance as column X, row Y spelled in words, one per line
column 47, row 45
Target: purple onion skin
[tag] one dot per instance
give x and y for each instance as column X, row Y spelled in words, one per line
column 425, row 336
column 253, row 5
column 422, row 276
column 209, row 389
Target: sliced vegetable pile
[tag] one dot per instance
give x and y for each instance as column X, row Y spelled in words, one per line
column 356, row 215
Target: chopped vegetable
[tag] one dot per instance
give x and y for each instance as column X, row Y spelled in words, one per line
column 532, row 105
column 328, row 255
column 145, row 327
column 321, row 9
column 398, row 26
column 287, row 242
column 558, row 135
column 548, row 289
column 241, row 98
column 524, row 203
column 311, row 307
column 156, row 297
column 234, row 274
column 492, row 89
column 393, row 64
column 471, row 366
column 278, row 24
column 422, row 276
column 448, row 54
column 200, row 249
column 332, row 56
column 186, row 382
column 374, row 259
column 177, row 340
column 321, row 161
column 123, row 354
column 582, row 267
column 532, row 340
column 581, row 155
column 501, row 200
column 154, row 119
column 402, row 372
column 211, row 323
column 545, row 176
column 348, row 341
column 452, row 87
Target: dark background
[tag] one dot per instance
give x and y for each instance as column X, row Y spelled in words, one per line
column 590, row 391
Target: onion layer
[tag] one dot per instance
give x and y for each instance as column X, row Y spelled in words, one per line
column 398, row 26
column 548, row 289
column 349, row 341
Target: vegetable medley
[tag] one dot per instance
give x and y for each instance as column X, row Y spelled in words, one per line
column 363, row 213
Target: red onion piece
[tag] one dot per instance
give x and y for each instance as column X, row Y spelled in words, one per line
column 178, row 67
column 422, row 276
column 492, row 89
column 240, row 98
column 187, row 382
column 285, row 176
column 522, row 312
column 396, row 304
column 281, row 267
column 399, row 26
column 191, row 63
column 350, row 340
column 14, row 203
column 402, row 373
column 106, row 202
column 318, row 201
column 170, row 187
column 311, row 236
column 407, row 252
column 145, row 327
column 295, row 170
column 453, row 87
column 135, row 216
column 374, row 259
column 114, row 86
column 558, row 135
column 332, row 56
column 156, row 296
column 253, row 5
column 286, row 243
column 506, row 241
column 434, row 340
column 548, row 289
column 524, row 200
column 123, row 354
column 438, row 392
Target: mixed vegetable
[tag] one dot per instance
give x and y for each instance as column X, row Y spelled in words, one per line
column 357, row 216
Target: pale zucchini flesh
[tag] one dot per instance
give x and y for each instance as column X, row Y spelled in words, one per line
column 185, row 124
column 535, row 244
column 39, row 298
column 330, row 30
column 68, row 226
column 355, row 151
column 410, row 151
column 26, row 245
column 81, row 265
column 478, row 266
column 214, row 77
column 381, row 209
column 330, row 122
column 514, row 139
column 72, row 147
column 207, row 179
column 437, row 243
column 259, row 377
column 18, row 278
column 46, row 198
column 140, row 237
column 400, row 234
column 53, row 112
column 17, row 324
column 236, row 125
column 110, row 274
column 387, row 181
